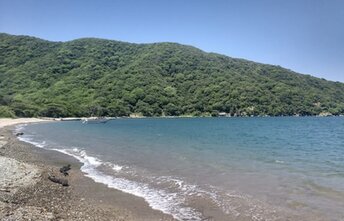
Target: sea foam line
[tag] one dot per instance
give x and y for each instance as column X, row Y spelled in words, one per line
column 172, row 203
column 29, row 139
column 169, row 203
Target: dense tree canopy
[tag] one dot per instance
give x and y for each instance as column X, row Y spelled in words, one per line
column 110, row 78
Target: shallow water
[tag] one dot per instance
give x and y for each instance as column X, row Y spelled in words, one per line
column 244, row 168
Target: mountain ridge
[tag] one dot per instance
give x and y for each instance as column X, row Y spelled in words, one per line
column 92, row 76
column 167, row 42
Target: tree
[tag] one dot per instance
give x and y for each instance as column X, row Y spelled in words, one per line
column 99, row 77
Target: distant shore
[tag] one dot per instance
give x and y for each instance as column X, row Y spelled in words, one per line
column 13, row 121
column 9, row 121
column 26, row 193
column 182, row 116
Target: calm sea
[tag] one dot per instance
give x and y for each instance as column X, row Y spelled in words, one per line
column 235, row 168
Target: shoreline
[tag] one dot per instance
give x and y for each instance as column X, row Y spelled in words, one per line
column 42, row 199
column 188, row 116
column 63, row 119
column 139, row 207
column 86, row 199
column 5, row 122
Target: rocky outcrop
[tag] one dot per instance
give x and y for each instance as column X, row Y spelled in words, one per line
column 64, row 170
column 63, row 182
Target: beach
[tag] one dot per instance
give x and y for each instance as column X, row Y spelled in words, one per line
column 26, row 193
column 172, row 169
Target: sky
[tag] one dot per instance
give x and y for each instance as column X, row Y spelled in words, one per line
column 306, row 36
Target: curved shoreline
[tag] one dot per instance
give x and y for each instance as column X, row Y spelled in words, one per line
column 4, row 122
column 82, row 200
column 99, row 196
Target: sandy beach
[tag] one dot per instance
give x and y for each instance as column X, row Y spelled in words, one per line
column 26, row 193
column 9, row 121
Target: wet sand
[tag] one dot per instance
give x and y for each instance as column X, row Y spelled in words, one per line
column 37, row 198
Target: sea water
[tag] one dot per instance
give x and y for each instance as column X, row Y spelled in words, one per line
column 244, row 168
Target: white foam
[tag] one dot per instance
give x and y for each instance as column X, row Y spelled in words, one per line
column 28, row 139
column 19, row 127
column 185, row 188
column 117, row 167
column 169, row 203
column 114, row 167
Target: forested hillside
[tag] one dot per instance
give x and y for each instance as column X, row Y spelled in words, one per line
column 90, row 76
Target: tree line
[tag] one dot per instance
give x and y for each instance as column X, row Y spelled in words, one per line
column 95, row 77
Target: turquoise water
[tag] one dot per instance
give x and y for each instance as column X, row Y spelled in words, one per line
column 243, row 168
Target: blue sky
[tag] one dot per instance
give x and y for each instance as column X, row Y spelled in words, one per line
column 306, row 36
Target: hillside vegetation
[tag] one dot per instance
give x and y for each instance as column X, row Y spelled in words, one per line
column 90, row 76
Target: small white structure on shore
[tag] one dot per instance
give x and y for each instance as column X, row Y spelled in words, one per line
column 224, row 114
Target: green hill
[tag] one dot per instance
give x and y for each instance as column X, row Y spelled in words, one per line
column 111, row 78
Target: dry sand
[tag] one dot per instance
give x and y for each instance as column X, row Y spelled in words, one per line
column 9, row 121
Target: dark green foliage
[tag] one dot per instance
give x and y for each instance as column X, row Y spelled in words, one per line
column 109, row 78
column 6, row 112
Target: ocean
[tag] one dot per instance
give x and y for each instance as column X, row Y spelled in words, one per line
column 273, row 168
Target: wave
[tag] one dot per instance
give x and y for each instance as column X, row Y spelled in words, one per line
column 165, row 193
column 169, row 203
column 174, row 202
column 29, row 138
